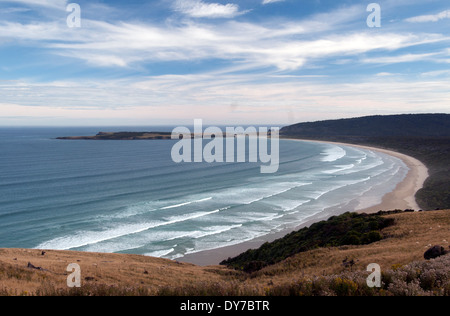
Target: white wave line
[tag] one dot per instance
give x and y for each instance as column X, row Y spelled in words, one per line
column 186, row 203
column 277, row 193
column 97, row 235
column 159, row 253
column 197, row 235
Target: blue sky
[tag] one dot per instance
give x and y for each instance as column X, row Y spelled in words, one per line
column 227, row 62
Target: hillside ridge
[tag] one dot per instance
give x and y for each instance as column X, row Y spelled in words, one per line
column 402, row 125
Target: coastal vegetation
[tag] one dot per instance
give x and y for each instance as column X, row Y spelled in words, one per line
column 346, row 229
column 418, row 278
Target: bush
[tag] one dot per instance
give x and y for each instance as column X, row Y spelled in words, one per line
column 254, row 266
column 419, row 278
column 371, row 237
column 344, row 287
column 351, row 238
column 346, row 229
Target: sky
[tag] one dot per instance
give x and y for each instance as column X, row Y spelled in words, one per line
column 168, row 62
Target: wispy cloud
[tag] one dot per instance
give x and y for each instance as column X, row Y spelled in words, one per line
column 407, row 58
column 237, row 99
column 201, row 9
column 257, row 68
column 430, row 18
column 54, row 4
column 123, row 44
column 287, row 47
column 437, row 73
column 271, row 1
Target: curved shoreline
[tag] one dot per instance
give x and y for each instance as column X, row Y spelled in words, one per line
column 402, row 197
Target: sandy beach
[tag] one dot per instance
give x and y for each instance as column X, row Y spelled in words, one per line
column 403, row 197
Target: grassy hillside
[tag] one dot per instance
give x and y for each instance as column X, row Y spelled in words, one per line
column 423, row 136
column 319, row 271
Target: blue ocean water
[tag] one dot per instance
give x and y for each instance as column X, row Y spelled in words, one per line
column 129, row 197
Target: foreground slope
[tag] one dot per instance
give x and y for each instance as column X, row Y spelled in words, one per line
column 121, row 274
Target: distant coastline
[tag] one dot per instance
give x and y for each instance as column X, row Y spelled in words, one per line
column 138, row 136
column 122, row 136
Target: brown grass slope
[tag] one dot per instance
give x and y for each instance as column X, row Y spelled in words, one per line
column 121, row 274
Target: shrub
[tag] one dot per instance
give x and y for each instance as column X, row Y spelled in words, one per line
column 345, row 229
column 373, row 236
column 419, row 278
column 254, row 266
column 351, row 238
column 402, row 288
column 344, row 287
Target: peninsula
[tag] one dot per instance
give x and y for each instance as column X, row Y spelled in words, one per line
column 122, row 136
column 157, row 135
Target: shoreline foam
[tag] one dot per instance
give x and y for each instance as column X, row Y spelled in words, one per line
column 402, row 197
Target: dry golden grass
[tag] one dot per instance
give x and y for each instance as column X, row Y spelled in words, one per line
column 412, row 235
column 128, row 271
column 407, row 241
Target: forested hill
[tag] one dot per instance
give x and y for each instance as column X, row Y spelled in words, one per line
column 408, row 125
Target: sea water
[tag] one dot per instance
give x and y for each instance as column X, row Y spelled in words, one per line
column 130, row 197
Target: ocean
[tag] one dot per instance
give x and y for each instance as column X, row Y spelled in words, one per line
column 130, row 197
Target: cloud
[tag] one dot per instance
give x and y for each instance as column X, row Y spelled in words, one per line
column 407, row 58
column 436, row 73
column 240, row 99
column 283, row 46
column 54, row 4
column 430, row 18
column 288, row 46
column 271, row 1
column 41, row 32
column 384, row 74
column 200, row 9
column 266, row 68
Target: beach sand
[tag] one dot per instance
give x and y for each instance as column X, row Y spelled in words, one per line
column 403, row 197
